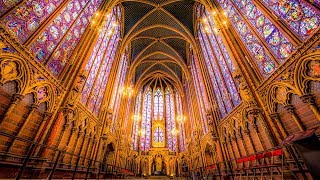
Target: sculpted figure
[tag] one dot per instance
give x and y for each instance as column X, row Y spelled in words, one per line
column 77, row 88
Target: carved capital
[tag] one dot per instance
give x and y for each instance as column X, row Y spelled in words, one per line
column 65, row 126
column 74, row 130
column 46, row 115
column 290, row 109
column 16, row 98
column 255, row 127
column 240, row 136
column 308, row 99
column 275, row 116
column 104, row 137
column 68, row 114
column 246, row 131
column 254, row 111
column 33, row 107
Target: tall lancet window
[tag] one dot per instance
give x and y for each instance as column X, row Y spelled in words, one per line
column 118, row 85
column 182, row 132
column 158, row 135
column 136, row 119
column 146, row 121
column 100, row 62
column 158, row 105
column 219, row 63
column 200, row 89
column 170, row 120
column 268, row 45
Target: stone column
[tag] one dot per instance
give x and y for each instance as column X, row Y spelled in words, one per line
column 45, row 118
column 291, row 110
column 16, row 98
column 276, row 118
column 310, row 100
column 247, row 132
column 22, row 126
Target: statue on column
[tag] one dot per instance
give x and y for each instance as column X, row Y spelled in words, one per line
column 244, row 89
column 76, row 89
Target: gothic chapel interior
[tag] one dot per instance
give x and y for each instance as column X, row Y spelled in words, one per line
column 197, row 89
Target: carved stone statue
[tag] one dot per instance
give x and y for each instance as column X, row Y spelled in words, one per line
column 77, row 88
column 244, row 89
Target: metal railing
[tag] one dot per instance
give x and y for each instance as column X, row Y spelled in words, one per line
column 231, row 167
column 33, row 165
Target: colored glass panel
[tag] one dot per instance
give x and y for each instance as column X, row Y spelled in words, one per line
column 136, row 123
column 212, row 76
column 65, row 48
column 146, row 121
column 219, row 83
column 170, row 120
column 224, row 62
column 7, row 4
column 200, row 92
column 158, row 104
column 119, row 85
column 96, row 58
column 99, row 66
column 28, row 16
column 46, row 43
column 158, row 135
column 276, row 41
column 301, row 17
column 264, row 62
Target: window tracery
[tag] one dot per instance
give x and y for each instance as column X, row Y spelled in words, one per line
column 100, row 63
column 219, row 63
column 299, row 16
column 136, row 119
column 155, row 131
column 55, row 44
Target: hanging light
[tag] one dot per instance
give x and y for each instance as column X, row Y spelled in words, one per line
column 174, row 132
column 142, row 132
column 127, row 91
column 136, row 118
column 114, row 24
column 181, row 119
column 225, row 13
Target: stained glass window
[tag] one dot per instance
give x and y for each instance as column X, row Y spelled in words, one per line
column 146, row 121
column 100, row 63
column 55, row 44
column 158, row 105
column 28, row 16
column 170, row 120
column 263, row 60
column 6, row 5
column 277, row 42
column 182, row 133
column 158, row 135
column 301, row 17
column 219, row 64
column 59, row 58
column 137, row 112
column 119, row 83
column 166, row 103
column 200, row 90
